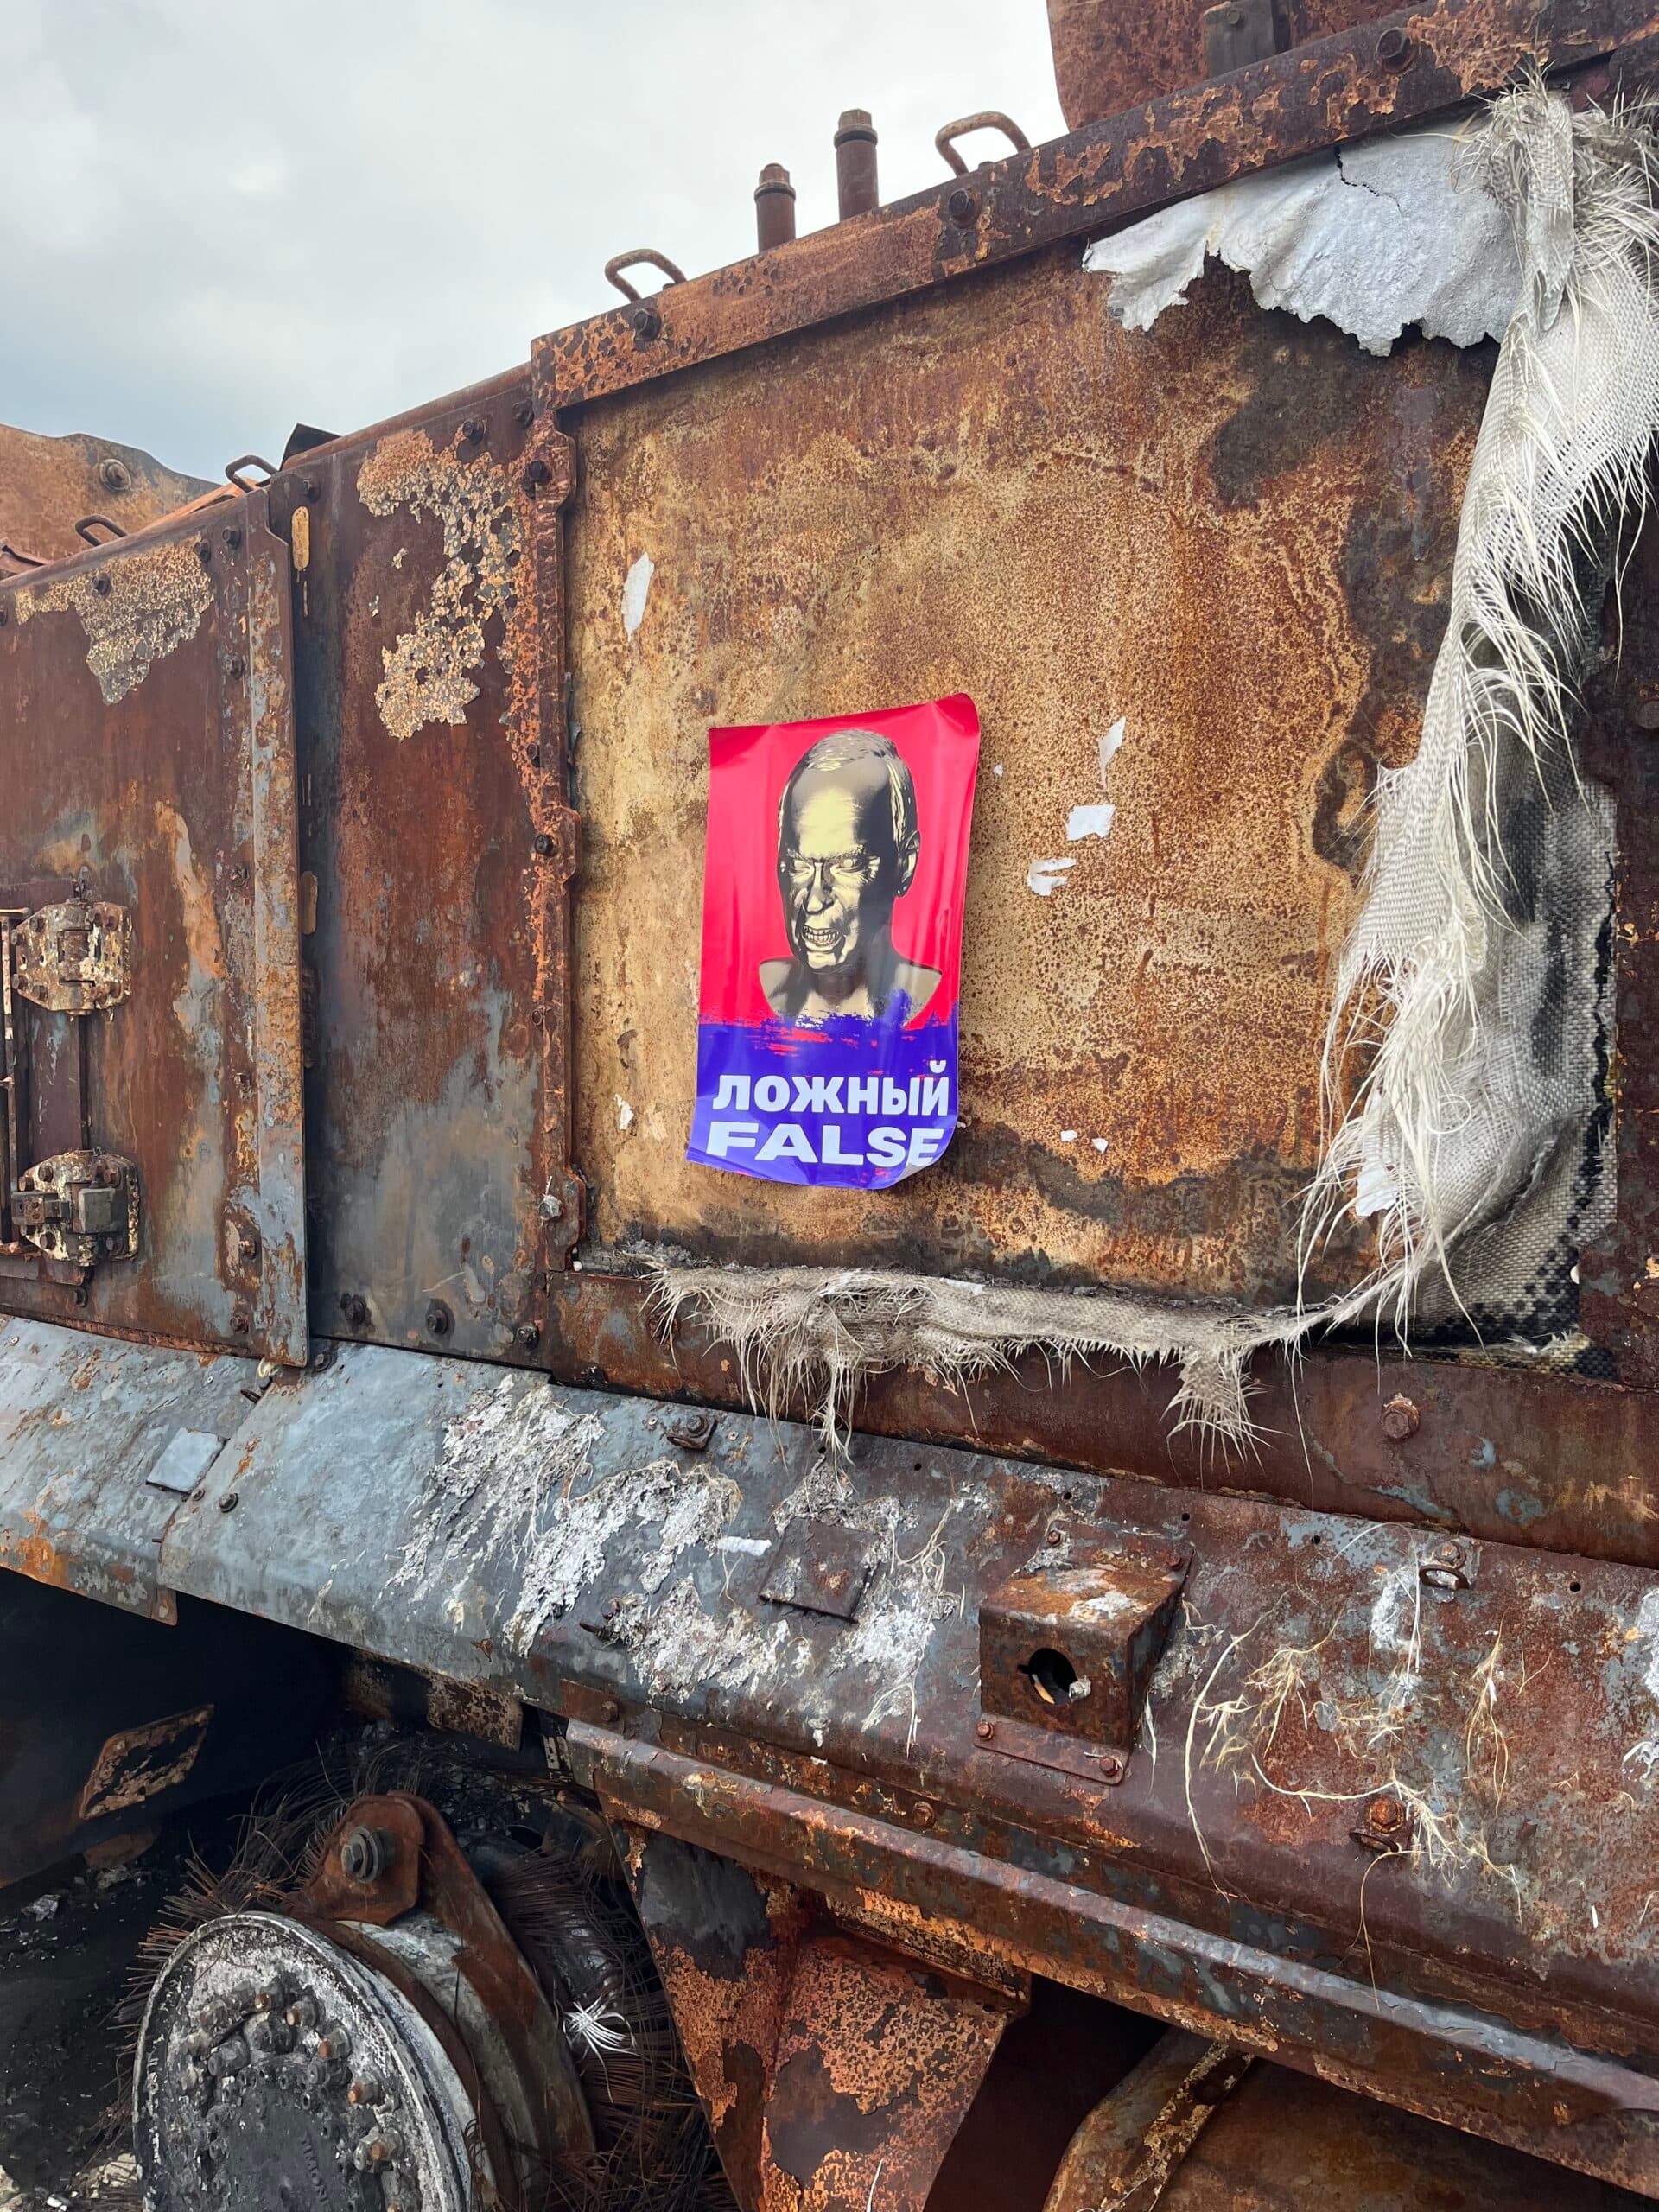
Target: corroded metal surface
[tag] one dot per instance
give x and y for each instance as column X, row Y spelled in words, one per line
column 557, row 1545
column 835, row 2074
column 48, row 485
column 1446, row 2062
column 1231, row 536
column 1336, row 89
column 84, row 1423
column 147, row 742
column 1133, row 2145
column 1281, row 2143
column 1107, row 57
column 1556, row 1461
column 435, row 833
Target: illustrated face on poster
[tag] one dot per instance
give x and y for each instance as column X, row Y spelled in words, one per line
column 832, row 933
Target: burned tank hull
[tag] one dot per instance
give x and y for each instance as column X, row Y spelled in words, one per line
column 345, row 1138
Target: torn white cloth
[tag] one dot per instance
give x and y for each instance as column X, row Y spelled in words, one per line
column 1374, row 238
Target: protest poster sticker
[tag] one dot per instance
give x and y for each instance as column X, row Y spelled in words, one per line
column 832, row 944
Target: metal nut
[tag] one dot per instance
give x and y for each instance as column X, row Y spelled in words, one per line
column 355, row 1308
column 439, row 1320
column 527, row 1336
column 985, row 1729
column 231, row 1500
column 366, row 1854
column 963, row 207
column 1400, row 1419
column 1394, row 50
column 644, row 322
column 1111, row 1767
column 114, row 475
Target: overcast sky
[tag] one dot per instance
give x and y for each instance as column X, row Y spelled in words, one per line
column 224, row 216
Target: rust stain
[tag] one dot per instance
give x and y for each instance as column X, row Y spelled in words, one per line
column 430, row 671
column 1216, row 534
column 156, row 600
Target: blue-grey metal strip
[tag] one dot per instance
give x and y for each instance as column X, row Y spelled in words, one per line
column 84, row 1421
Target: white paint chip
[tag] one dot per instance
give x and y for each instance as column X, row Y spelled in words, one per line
column 1099, row 1143
column 636, row 591
column 1043, row 876
column 1068, row 1136
column 998, row 769
column 1111, row 746
column 1090, row 821
column 624, row 1113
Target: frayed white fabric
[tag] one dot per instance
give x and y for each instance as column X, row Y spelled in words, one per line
column 815, row 1334
column 1466, row 1055
column 1466, row 1052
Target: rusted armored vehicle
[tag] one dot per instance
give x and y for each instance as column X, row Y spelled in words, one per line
column 1122, row 1667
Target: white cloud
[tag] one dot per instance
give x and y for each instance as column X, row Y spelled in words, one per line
column 226, row 219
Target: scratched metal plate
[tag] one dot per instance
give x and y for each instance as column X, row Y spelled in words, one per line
column 434, row 1177
column 147, row 737
column 1231, row 535
column 495, row 1528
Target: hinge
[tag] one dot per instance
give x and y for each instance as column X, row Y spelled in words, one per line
column 79, row 1207
column 74, row 959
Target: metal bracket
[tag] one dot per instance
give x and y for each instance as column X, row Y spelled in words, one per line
column 1066, row 1656
column 80, row 1207
column 1238, row 33
column 74, row 959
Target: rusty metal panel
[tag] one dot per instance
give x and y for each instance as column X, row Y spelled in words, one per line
column 835, row 2074
column 147, row 750
column 1416, row 63
column 557, row 1547
column 437, row 848
column 48, row 485
column 1231, row 535
column 1108, row 57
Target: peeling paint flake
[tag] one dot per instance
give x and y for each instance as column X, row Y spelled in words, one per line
column 155, row 603
column 1045, row 876
column 429, row 672
column 636, row 591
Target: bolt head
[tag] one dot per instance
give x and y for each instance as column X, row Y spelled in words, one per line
column 114, row 475
column 644, row 322
column 962, row 207
column 527, row 1336
column 101, row 586
column 543, row 844
column 439, row 1320
column 1400, row 1419
column 1053, row 1535
column 1111, row 1767
column 924, row 1815
column 229, row 1502
column 1394, row 48
column 985, row 1729
column 238, row 666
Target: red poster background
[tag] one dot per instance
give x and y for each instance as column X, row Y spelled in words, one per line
column 742, row 914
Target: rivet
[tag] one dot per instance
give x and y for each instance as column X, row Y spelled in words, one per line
column 101, row 586
column 528, row 1336
column 543, row 844
column 238, row 666
column 113, row 474
column 229, row 1502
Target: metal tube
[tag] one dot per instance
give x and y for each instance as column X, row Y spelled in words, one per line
column 774, row 207
column 856, row 177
